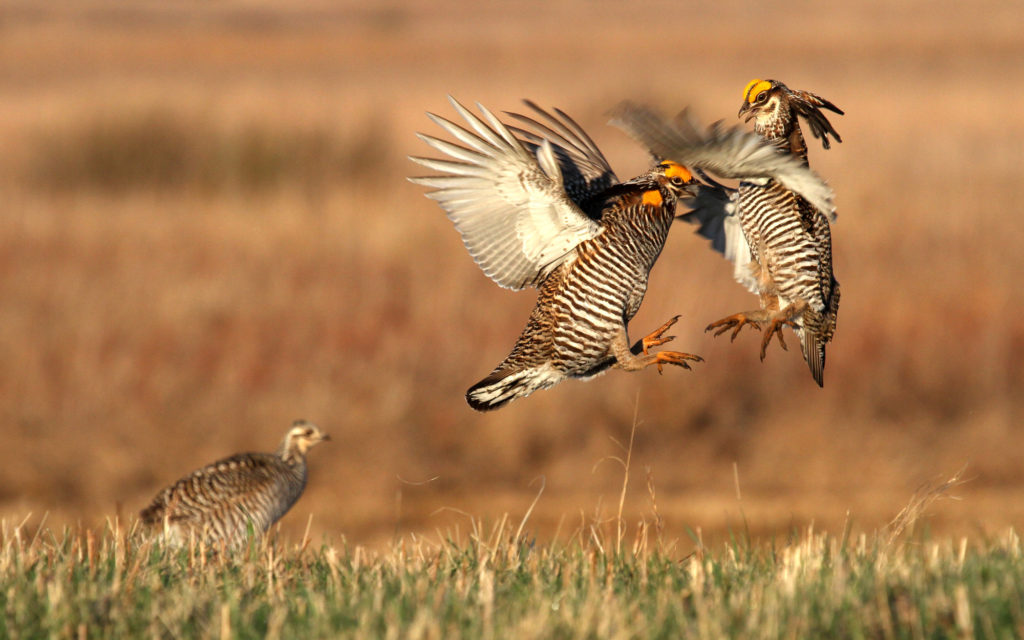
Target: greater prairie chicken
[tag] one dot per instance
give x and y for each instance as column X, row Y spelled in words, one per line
column 223, row 501
column 544, row 209
column 776, row 233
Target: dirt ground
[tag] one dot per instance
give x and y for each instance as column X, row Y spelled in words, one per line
column 206, row 232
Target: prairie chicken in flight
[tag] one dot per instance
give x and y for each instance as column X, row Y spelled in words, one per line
column 220, row 502
column 545, row 209
column 542, row 207
column 776, row 234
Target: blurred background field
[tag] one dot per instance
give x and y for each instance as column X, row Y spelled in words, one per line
column 206, row 232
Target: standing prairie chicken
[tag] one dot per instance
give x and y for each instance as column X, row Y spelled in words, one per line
column 542, row 207
column 776, row 234
column 223, row 501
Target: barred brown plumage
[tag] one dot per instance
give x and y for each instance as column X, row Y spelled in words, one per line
column 775, row 226
column 545, row 209
column 790, row 240
column 223, row 501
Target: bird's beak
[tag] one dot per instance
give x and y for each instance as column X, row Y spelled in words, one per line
column 743, row 108
column 692, row 188
column 325, row 438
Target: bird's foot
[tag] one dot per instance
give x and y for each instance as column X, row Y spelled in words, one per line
column 736, row 322
column 775, row 329
column 639, row 356
column 677, row 358
column 656, row 338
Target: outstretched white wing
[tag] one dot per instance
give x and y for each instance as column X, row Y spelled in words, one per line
column 585, row 171
column 726, row 152
column 509, row 204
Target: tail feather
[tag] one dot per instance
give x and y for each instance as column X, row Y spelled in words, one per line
column 505, row 385
column 814, row 353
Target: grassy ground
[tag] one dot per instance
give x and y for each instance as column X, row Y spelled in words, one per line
column 493, row 582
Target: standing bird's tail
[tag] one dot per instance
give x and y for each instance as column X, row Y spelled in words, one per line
column 505, row 385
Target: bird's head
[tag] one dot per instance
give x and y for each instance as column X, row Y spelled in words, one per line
column 775, row 107
column 764, row 100
column 676, row 178
column 301, row 438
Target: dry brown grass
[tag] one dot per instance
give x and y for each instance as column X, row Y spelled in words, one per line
column 226, row 272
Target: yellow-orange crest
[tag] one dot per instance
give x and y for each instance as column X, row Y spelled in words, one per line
column 676, row 170
column 755, row 87
column 652, row 197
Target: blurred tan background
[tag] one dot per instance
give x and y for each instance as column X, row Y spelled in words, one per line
column 206, row 232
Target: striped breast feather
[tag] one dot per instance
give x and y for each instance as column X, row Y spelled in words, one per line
column 727, row 152
column 509, row 204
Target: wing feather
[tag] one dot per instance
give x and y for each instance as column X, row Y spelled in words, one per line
column 506, row 198
column 714, row 211
column 585, row 168
column 728, row 152
column 229, row 484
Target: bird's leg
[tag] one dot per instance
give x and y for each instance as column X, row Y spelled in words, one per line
column 677, row 358
column 637, row 357
column 775, row 325
column 737, row 321
column 655, row 338
column 773, row 316
column 778, row 319
column 769, row 307
column 769, row 303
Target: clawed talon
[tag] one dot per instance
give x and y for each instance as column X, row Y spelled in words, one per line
column 632, row 362
column 775, row 329
column 735, row 322
column 677, row 358
column 654, row 338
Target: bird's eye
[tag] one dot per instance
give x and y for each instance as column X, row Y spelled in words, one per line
column 677, row 181
column 761, row 96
